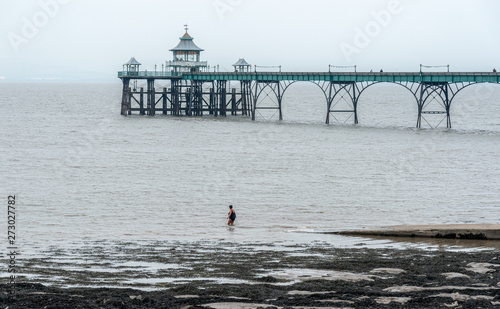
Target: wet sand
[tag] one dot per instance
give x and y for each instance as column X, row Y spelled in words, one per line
column 450, row 231
column 264, row 276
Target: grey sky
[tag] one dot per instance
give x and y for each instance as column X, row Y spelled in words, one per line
column 86, row 38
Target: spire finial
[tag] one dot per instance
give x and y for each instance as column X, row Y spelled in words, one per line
column 186, row 27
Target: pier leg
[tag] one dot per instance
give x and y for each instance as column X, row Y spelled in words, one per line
column 342, row 98
column 125, row 94
column 196, row 106
column 148, row 100
column 211, row 102
column 420, row 106
column 129, row 101
column 255, row 98
column 355, row 103
column 189, row 98
column 141, row 102
column 174, row 99
column 224, row 100
column 151, row 97
column 243, row 99
column 434, row 96
column 194, row 103
column 249, row 98
column 329, row 102
column 164, row 99
column 280, row 99
column 222, row 95
column 447, row 105
column 233, row 101
column 199, row 98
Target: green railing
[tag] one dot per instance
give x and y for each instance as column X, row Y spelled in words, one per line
column 452, row 77
column 479, row 77
column 145, row 74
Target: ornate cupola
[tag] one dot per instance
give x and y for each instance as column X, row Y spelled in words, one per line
column 132, row 65
column 242, row 66
column 186, row 55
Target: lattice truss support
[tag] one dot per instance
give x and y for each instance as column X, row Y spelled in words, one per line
column 435, row 99
column 192, row 99
column 342, row 97
column 268, row 95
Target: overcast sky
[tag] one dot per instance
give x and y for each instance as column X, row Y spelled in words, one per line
column 86, row 38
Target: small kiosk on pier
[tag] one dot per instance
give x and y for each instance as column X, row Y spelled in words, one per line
column 242, row 66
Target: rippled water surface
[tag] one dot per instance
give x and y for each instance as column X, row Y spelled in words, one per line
column 80, row 171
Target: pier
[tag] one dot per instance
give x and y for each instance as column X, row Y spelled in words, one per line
column 195, row 91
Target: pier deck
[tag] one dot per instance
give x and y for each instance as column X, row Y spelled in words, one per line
column 194, row 93
column 415, row 77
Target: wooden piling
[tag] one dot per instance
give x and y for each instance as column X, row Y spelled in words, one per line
column 141, row 101
column 151, row 97
column 233, row 102
column 189, row 101
column 174, row 98
column 243, row 99
column 125, row 108
column 185, row 97
column 129, row 101
column 223, row 99
column 164, row 99
column 200, row 99
column 211, row 104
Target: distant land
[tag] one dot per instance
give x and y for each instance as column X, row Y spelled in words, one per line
column 58, row 75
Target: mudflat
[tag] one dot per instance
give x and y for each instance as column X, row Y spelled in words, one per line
column 263, row 276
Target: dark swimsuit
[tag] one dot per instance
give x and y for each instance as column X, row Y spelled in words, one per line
column 232, row 216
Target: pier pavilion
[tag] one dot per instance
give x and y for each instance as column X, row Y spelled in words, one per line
column 242, row 66
column 132, row 66
column 195, row 91
column 186, row 56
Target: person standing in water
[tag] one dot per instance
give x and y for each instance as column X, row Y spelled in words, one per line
column 231, row 215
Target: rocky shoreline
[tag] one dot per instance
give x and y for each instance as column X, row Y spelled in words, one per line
column 263, row 276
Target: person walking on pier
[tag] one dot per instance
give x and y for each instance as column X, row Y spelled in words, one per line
column 231, row 215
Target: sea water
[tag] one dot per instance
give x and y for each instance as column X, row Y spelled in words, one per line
column 82, row 172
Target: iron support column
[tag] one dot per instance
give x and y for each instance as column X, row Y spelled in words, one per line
column 355, row 103
column 255, row 97
column 280, row 97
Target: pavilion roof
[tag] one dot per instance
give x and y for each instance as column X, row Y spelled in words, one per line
column 132, row 61
column 186, row 44
column 241, row 62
